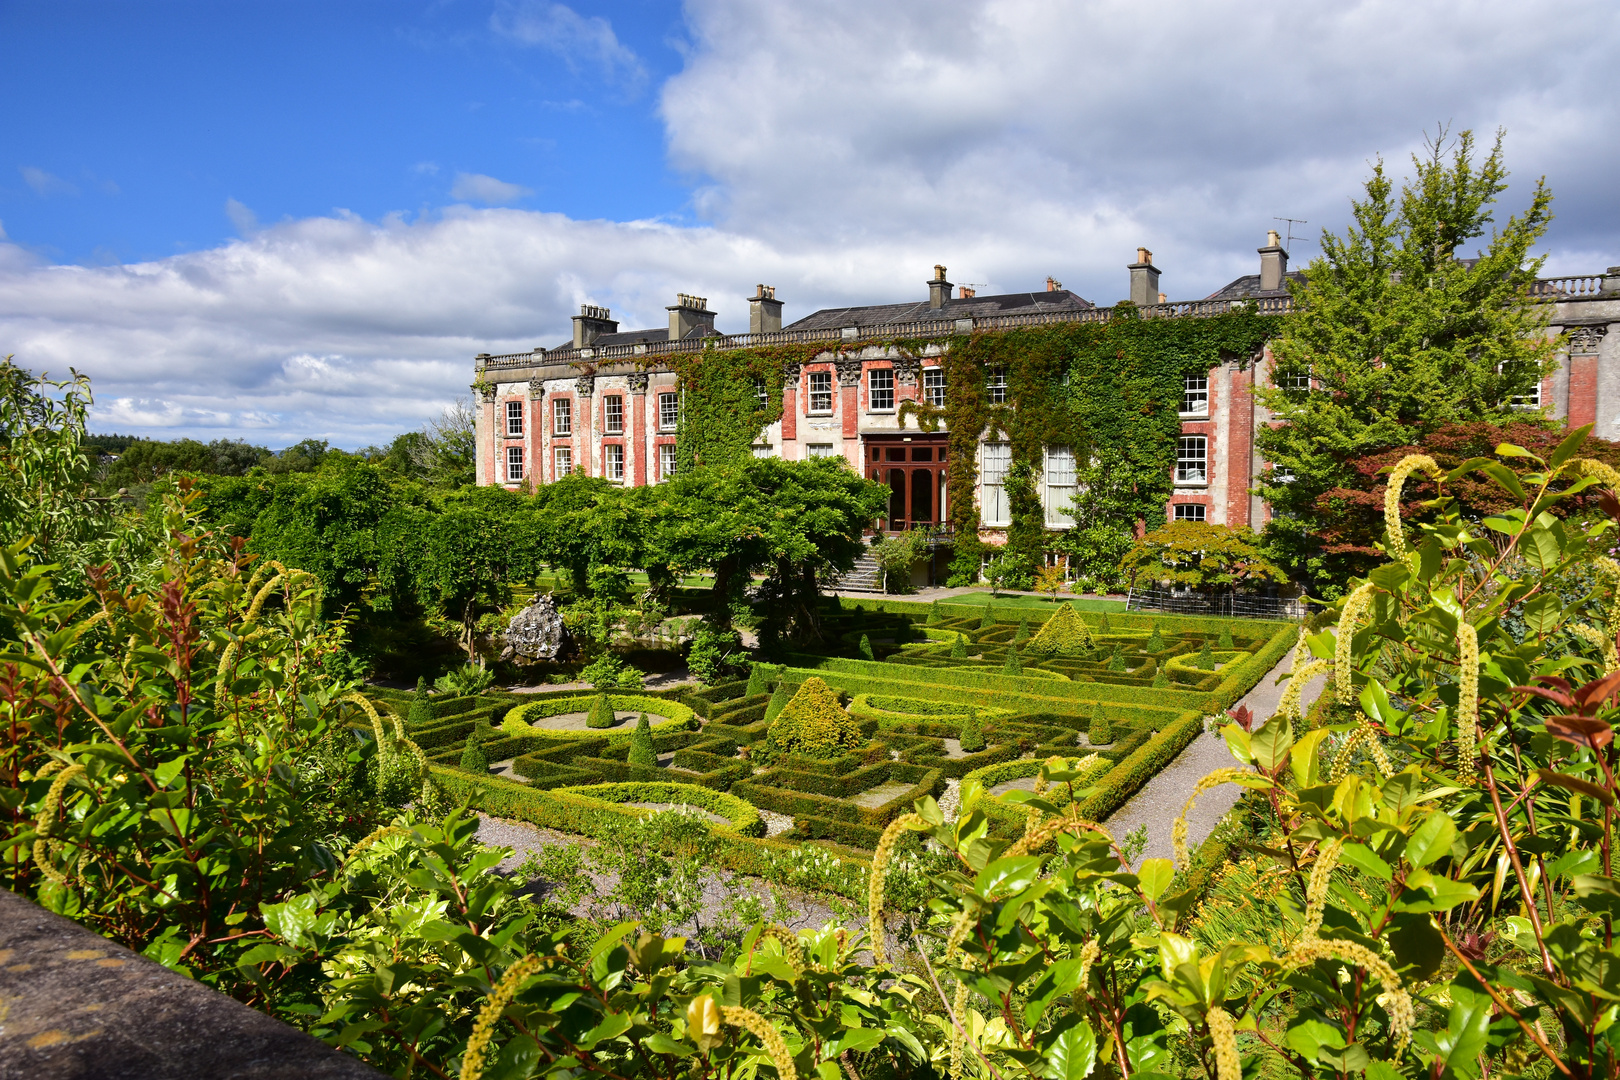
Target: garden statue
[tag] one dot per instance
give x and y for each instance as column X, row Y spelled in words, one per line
column 537, row 633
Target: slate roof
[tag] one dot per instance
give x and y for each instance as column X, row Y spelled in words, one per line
column 1249, row 285
column 635, row 337
column 1024, row 303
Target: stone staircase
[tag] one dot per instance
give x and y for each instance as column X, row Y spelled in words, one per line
column 865, row 577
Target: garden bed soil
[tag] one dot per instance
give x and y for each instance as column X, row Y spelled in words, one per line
column 575, row 721
column 884, row 792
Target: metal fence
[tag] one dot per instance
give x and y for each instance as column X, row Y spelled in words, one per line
column 1237, row 605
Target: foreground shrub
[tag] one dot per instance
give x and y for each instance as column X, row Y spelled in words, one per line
column 421, row 711
column 467, row 679
column 472, row 755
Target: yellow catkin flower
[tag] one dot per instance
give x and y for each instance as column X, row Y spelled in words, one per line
column 1397, row 1002
column 874, row 884
column 1355, row 607
column 46, row 819
column 1223, row 1033
column 789, row 941
column 1395, row 534
column 1341, row 759
column 959, row 1014
column 1375, row 746
column 259, row 599
column 1467, row 698
column 371, row 838
column 1604, row 473
column 1604, row 642
column 762, row 1029
column 1178, row 831
column 1088, row 956
column 1302, row 649
column 1289, row 705
column 1609, row 571
column 472, row 1062
column 1316, row 889
column 1070, row 821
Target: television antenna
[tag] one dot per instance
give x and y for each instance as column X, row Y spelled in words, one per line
column 1289, row 243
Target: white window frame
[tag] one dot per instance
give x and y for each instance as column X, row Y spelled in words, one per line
column 1192, row 460
column 1280, row 475
column 514, row 419
column 818, row 450
column 669, row 411
column 613, row 414
column 562, row 416
column 995, row 459
column 1189, row 512
column 1532, row 400
column 562, row 461
column 995, row 384
column 666, row 460
column 880, row 390
column 933, row 386
column 763, row 451
column 762, row 394
column 514, row 464
column 613, row 462
column 1294, row 380
column 1195, row 395
column 1060, row 484
column 821, row 394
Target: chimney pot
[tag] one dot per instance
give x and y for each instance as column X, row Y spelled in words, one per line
column 1273, row 263
column 1053, row 285
column 764, row 311
column 689, row 313
column 592, row 322
column 1144, row 279
column 939, row 290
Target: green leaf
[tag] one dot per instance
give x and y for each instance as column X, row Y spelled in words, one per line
column 165, row 773
column 1576, row 784
column 1419, row 949
column 1155, row 876
column 1362, row 858
column 1466, row 1028
column 1272, row 742
column 1073, row 1054
column 1504, row 477
column 1431, row 839
column 1008, row 875
column 1566, row 449
column 1543, row 550
column 1543, row 613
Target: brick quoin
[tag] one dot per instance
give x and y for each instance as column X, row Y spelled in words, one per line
column 790, row 415
column 1583, row 373
column 1239, row 446
column 638, row 437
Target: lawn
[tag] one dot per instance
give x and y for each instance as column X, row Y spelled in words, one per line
column 979, row 599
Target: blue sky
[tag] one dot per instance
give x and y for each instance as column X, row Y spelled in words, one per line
column 130, row 125
column 280, row 220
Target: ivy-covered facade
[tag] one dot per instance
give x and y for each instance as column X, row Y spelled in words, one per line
column 986, row 416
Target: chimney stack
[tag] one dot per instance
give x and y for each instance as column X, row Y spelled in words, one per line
column 939, row 290
column 1053, row 285
column 1273, row 263
column 764, row 311
column 591, row 323
column 688, row 314
column 1144, row 279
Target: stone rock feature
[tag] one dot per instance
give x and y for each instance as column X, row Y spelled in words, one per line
column 537, row 633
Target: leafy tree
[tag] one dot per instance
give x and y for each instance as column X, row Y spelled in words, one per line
column 1201, row 556
column 1400, row 332
column 1050, row 580
column 145, row 461
column 466, row 555
column 896, row 555
column 304, row 456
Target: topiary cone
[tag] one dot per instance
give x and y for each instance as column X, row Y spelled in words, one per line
column 1116, row 662
column 1023, row 631
column 1101, row 731
column 421, row 712
column 473, row 759
column 987, row 620
column 1206, row 659
column 1155, row 643
column 641, row 744
column 758, row 681
column 866, row 648
column 959, row 648
column 1226, row 638
column 972, row 734
column 1161, row 681
column 1013, row 666
column 601, row 714
column 778, row 702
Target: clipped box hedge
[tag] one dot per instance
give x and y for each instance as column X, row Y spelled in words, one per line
column 678, row 717
column 743, row 818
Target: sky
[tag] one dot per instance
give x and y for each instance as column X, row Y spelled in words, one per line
column 287, row 220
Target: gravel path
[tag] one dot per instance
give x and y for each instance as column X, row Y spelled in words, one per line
column 1161, row 798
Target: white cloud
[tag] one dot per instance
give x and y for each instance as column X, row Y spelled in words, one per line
column 245, row 220
column 579, row 41
column 46, row 184
column 476, row 187
column 1009, row 141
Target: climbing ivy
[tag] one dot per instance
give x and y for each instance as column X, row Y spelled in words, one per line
column 1110, row 390
column 1112, row 385
column 721, row 413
